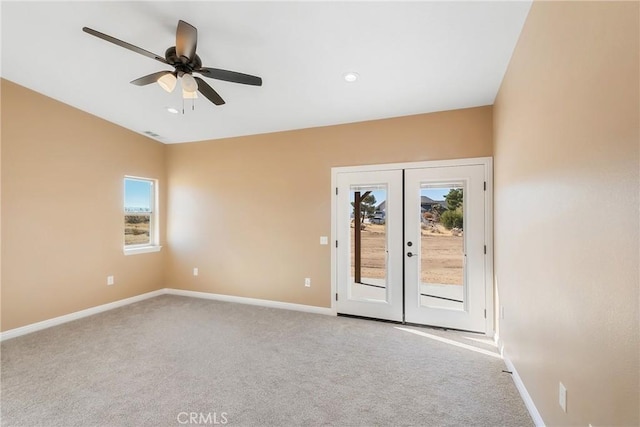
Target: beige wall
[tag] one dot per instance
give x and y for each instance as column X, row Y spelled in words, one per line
column 566, row 210
column 62, row 224
column 249, row 212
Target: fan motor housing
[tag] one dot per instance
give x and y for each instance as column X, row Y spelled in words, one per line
column 187, row 67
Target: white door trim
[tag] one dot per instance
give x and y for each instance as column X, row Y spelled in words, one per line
column 487, row 162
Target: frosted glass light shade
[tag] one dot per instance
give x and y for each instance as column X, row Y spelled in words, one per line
column 167, row 82
column 189, row 95
column 189, row 84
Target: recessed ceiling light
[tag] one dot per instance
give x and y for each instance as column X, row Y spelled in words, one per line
column 172, row 110
column 351, row 76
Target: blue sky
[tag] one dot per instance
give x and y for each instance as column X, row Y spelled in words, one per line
column 432, row 193
column 137, row 194
column 435, row 193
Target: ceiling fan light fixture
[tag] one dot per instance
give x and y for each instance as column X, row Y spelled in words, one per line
column 189, row 84
column 189, row 95
column 183, row 58
column 167, row 82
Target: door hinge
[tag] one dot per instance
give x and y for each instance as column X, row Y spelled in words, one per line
column 485, row 249
column 485, row 313
column 336, row 296
column 485, row 186
column 336, row 191
column 336, row 243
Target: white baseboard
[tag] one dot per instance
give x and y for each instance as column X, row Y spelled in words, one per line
column 252, row 301
column 12, row 333
column 526, row 397
column 499, row 344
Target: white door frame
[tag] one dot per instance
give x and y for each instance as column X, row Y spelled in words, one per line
column 487, row 162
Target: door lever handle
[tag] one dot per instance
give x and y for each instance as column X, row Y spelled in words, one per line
column 409, row 254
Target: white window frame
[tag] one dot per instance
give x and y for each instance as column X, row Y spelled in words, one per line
column 154, row 228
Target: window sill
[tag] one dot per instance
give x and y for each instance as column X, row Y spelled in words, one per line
column 142, row 250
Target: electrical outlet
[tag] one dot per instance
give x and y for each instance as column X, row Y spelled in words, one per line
column 324, row 240
column 562, row 397
column 195, row 271
column 307, row 282
column 110, row 280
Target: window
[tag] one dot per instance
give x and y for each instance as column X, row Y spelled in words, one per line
column 140, row 218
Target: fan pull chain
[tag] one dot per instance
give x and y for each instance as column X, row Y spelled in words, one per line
column 193, row 105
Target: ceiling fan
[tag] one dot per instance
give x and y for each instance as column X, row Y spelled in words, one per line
column 182, row 57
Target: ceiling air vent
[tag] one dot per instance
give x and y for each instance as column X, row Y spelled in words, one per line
column 151, row 134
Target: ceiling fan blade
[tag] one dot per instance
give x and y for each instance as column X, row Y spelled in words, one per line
column 208, row 92
column 151, row 78
column 124, row 44
column 186, row 41
column 230, row 76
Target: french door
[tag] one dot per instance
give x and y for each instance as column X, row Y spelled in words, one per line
column 411, row 244
column 369, row 265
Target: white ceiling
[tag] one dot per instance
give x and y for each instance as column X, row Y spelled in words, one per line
column 412, row 57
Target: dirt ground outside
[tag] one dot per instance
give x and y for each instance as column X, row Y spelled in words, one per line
column 441, row 260
column 135, row 232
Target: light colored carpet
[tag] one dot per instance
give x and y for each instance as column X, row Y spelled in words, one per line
column 154, row 362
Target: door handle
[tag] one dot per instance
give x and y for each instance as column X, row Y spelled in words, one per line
column 409, row 254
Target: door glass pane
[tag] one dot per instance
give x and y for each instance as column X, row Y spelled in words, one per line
column 368, row 243
column 442, row 272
